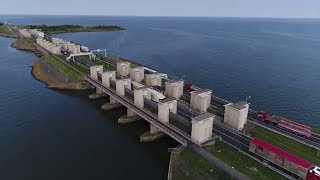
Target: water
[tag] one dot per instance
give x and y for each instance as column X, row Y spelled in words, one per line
column 60, row 135
column 46, row 134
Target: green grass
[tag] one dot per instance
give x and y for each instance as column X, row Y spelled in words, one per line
column 190, row 166
column 241, row 162
column 291, row 146
column 63, row 68
column 73, row 28
column 105, row 65
column 133, row 65
column 316, row 130
column 5, row 30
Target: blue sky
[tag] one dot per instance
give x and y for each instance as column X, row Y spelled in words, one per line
column 225, row 8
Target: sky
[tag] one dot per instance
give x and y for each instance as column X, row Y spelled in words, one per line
column 206, row 8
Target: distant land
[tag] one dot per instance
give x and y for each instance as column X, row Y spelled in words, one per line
column 73, row 28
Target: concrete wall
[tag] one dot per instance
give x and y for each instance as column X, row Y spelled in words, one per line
column 165, row 108
column 236, row 118
column 94, row 70
column 202, row 130
column 121, row 84
column 137, row 74
column 140, row 95
column 154, row 79
column 106, row 76
column 52, row 48
column 174, row 89
column 200, row 100
column 135, row 85
column 123, row 68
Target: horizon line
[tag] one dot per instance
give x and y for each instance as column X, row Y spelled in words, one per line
column 178, row 16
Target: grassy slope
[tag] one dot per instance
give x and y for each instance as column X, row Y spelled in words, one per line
column 63, row 68
column 316, row 130
column 287, row 144
column 241, row 162
column 190, row 166
column 5, row 30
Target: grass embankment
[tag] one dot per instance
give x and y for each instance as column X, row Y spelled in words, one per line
column 24, row 43
column 291, row 146
column 5, row 31
column 106, row 66
column 133, row 65
column 316, row 130
column 189, row 165
column 241, row 162
column 63, row 68
column 73, row 28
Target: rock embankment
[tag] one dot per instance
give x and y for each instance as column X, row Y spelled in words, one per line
column 24, row 45
column 47, row 73
column 8, row 35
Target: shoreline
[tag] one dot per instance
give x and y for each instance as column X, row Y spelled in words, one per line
column 45, row 72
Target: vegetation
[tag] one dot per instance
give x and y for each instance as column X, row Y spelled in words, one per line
column 1, row 23
column 291, row 146
column 316, row 130
column 73, row 28
column 63, row 68
column 5, row 30
column 189, row 165
column 241, row 162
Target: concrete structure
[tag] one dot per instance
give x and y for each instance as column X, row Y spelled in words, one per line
column 37, row 33
column 121, row 84
column 154, row 79
column 201, row 131
column 94, row 73
column 70, row 47
column 123, row 68
column 140, row 95
column 106, row 76
column 25, row 33
column 90, row 54
column 95, row 70
column 135, row 85
column 174, row 89
column 200, row 100
column 52, row 48
column 165, row 107
column 236, row 114
column 137, row 74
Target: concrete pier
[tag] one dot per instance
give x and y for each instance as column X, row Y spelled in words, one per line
column 165, row 107
column 152, row 135
column 123, row 68
column 94, row 73
column 174, row 89
column 200, row 100
column 201, row 131
column 137, row 74
column 236, row 114
column 154, row 79
column 112, row 104
column 129, row 117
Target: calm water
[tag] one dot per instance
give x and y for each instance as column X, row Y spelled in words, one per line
column 60, row 135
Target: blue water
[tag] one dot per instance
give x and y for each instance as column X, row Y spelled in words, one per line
column 276, row 61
